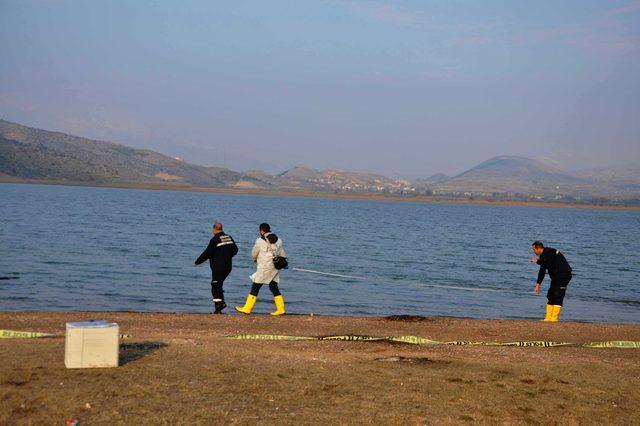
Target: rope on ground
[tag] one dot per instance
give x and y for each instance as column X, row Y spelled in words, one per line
column 13, row 334
column 415, row 340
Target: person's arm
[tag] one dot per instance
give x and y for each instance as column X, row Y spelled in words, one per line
column 541, row 273
column 207, row 253
column 234, row 249
column 255, row 251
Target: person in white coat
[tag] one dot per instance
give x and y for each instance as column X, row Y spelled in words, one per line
column 267, row 246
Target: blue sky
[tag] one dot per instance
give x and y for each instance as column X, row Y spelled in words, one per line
column 405, row 88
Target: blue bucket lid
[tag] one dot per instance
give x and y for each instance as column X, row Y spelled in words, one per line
column 92, row 323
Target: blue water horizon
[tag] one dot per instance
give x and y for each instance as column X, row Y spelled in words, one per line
column 67, row 248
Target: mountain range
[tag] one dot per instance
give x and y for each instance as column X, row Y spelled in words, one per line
column 32, row 154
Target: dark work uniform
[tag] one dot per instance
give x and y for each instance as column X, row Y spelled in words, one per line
column 220, row 252
column 554, row 262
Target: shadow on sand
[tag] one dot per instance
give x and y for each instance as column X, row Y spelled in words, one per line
column 130, row 352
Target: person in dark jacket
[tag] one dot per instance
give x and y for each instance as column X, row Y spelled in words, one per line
column 553, row 262
column 219, row 252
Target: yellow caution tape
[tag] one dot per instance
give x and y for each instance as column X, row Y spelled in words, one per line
column 268, row 337
column 12, row 334
column 415, row 340
column 625, row 344
column 353, row 338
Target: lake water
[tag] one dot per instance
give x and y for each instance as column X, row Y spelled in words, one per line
column 95, row 249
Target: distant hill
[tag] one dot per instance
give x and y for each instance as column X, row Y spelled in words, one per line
column 627, row 176
column 31, row 153
column 511, row 174
column 35, row 154
column 436, row 178
column 521, row 177
column 341, row 180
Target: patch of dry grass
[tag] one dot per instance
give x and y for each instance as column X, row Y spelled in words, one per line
column 179, row 369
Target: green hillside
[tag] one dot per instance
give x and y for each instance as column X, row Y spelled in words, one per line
column 31, row 153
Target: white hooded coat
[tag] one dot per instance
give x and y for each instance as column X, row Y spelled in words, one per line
column 262, row 254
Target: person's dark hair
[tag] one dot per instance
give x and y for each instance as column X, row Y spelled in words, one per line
column 265, row 227
column 538, row 244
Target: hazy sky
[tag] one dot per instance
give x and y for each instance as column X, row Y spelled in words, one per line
column 404, row 88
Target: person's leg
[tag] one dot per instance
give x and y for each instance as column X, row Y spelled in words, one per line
column 556, row 295
column 251, row 299
column 562, row 290
column 273, row 286
column 217, row 290
column 549, row 312
column 255, row 289
column 277, row 298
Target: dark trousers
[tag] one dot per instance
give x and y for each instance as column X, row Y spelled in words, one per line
column 557, row 290
column 217, row 280
column 273, row 286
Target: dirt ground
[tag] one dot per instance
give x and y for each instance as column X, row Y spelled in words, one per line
column 179, row 368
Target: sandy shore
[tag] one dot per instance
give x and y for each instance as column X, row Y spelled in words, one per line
column 303, row 194
column 179, row 368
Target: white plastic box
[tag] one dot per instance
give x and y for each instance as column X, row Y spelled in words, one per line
column 91, row 344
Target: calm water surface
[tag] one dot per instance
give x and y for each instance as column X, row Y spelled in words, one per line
column 76, row 248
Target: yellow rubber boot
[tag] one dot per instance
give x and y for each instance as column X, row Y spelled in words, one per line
column 279, row 301
column 547, row 317
column 248, row 305
column 556, row 313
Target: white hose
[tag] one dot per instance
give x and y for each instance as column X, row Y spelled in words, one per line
column 327, row 273
column 452, row 287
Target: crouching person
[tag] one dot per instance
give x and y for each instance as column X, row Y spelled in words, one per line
column 267, row 246
column 554, row 262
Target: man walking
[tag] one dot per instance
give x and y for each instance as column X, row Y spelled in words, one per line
column 554, row 262
column 220, row 252
column 267, row 246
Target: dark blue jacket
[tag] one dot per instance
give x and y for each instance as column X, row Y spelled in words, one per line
column 220, row 252
column 555, row 263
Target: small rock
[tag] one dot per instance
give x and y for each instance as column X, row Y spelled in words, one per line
column 87, row 406
column 73, row 421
